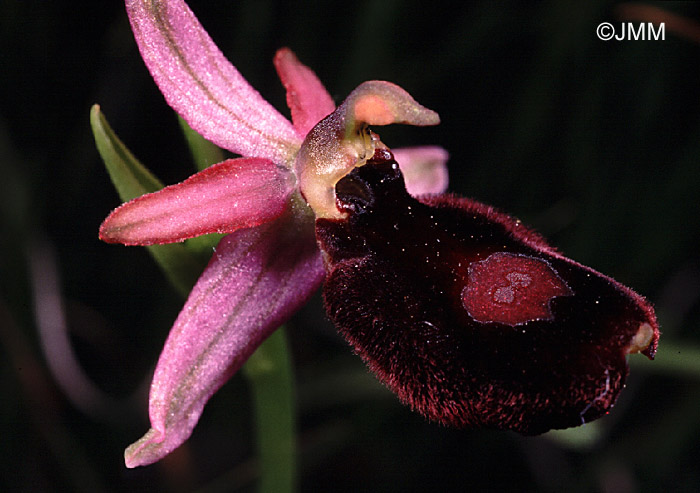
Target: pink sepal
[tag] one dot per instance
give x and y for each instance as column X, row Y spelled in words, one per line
column 233, row 194
column 256, row 280
column 201, row 84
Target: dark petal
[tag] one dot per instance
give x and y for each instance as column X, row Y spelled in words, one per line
column 471, row 318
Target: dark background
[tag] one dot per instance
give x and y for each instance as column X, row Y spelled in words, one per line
column 596, row 144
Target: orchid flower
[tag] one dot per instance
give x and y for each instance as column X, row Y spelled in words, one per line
column 470, row 317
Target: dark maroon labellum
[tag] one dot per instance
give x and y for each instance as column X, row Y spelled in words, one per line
column 471, row 318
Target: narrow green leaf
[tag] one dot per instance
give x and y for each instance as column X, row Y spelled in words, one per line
column 203, row 152
column 132, row 179
column 580, row 438
column 673, row 358
column 203, row 246
column 269, row 371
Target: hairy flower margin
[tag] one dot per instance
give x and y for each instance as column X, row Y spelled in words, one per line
column 472, row 319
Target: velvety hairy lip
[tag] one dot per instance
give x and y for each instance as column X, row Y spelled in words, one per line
column 471, row 318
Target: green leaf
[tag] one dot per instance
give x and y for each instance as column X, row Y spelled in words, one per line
column 203, row 152
column 132, row 179
column 269, row 371
column 203, row 246
column 583, row 437
column 673, row 358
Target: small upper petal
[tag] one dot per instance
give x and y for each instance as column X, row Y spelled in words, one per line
column 233, row 194
column 256, row 280
column 202, row 85
column 424, row 169
column 307, row 98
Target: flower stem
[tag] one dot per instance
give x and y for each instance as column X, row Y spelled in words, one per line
column 270, row 374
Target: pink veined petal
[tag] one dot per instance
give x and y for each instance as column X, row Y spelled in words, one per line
column 202, row 85
column 234, row 194
column 307, row 98
column 255, row 281
column 424, row 169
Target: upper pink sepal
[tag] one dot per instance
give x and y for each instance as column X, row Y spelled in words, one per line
column 233, row 194
column 424, row 169
column 256, row 280
column 202, row 85
column 307, row 98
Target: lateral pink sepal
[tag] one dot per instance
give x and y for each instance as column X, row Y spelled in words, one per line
column 256, row 280
column 234, row 194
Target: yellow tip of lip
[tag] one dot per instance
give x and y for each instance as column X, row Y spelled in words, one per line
column 641, row 339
